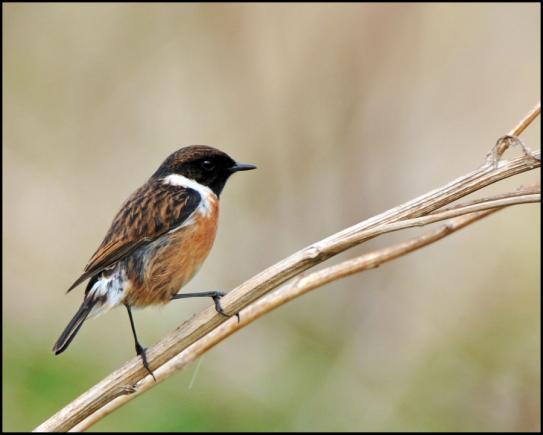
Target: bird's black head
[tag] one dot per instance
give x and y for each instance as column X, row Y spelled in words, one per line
column 203, row 164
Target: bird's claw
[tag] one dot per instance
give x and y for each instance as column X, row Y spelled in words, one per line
column 141, row 351
column 218, row 307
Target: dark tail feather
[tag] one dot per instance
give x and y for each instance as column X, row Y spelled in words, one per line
column 73, row 327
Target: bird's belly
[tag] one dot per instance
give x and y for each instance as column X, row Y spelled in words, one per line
column 169, row 263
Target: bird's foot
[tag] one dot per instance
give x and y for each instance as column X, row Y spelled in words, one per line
column 216, row 298
column 141, row 351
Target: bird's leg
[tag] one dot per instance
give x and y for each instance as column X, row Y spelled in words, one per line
column 140, row 350
column 216, row 296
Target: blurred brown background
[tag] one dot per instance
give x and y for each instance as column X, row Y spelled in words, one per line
column 347, row 110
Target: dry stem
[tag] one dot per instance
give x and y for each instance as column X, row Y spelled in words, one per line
column 302, row 285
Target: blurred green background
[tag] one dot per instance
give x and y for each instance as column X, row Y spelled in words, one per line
column 347, row 110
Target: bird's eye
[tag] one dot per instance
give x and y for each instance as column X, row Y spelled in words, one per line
column 207, row 165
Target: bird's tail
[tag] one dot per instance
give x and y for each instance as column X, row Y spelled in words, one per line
column 73, row 327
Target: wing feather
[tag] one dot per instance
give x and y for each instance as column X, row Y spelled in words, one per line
column 150, row 212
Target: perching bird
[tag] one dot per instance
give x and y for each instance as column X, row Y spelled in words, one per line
column 158, row 239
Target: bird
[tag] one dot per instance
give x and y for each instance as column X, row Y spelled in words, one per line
column 157, row 241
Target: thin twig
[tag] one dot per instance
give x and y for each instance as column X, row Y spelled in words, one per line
column 526, row 121
column 121, row 381
column 512, row 137
column 279, row 297
column 522, row 190
column 519, row 197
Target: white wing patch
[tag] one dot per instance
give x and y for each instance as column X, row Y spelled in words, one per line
column 208, row 197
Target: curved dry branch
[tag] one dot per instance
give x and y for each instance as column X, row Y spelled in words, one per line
column 121, row 381
column 302, row 285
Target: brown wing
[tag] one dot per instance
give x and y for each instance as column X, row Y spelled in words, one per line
column 151, row 211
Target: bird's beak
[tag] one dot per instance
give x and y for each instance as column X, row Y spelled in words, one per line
column 241, row 167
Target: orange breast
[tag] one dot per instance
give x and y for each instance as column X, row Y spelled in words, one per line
column 177, row 261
